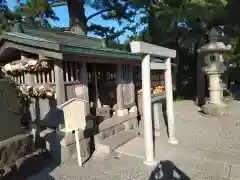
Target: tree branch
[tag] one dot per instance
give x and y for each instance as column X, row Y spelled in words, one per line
column 97, row 13
column 58, row 3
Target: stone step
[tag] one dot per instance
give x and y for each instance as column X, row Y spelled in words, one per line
column 110, row 144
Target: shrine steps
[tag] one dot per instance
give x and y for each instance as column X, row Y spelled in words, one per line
column 108, row 145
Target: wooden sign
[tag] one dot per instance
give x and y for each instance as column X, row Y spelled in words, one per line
column 79, row 90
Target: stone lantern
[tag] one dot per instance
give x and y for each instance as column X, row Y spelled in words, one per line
column 214, row 67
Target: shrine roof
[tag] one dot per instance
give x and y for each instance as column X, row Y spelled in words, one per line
column 65, row 42
column 58, row 43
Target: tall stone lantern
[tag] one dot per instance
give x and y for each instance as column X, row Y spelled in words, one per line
column 213, row 67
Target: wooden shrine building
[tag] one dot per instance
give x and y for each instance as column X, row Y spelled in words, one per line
column 80, row 67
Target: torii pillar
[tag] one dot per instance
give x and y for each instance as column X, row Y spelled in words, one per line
column 149, row 49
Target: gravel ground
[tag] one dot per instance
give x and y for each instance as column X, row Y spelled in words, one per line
column 217, row 138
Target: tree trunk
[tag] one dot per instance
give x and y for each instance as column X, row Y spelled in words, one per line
column 77, row 16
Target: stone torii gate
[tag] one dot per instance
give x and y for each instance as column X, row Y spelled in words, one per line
column 146, row 65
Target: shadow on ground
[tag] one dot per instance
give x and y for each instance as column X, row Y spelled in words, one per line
column 167, row 170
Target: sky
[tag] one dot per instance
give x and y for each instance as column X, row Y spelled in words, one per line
column 62, row 13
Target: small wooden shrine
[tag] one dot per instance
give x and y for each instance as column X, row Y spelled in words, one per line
column 54, row 67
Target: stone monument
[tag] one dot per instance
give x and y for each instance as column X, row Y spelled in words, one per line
column 17, row 148
column 213, row 68
column 10, row 124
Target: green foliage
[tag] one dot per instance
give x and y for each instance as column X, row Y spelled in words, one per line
column 36, row 12
column 178, row 24
column 33, row 12
column 7, row 18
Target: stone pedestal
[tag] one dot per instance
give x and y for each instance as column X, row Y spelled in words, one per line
column 215, row 105
column 214, row 88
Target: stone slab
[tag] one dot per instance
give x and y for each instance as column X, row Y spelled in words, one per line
column 115, row 141
column 137, row 151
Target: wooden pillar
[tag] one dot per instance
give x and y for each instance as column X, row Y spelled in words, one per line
column 84, row 81
column 132, row 87
column 98, row 102
column 59, row 82
column 30, row 80
column 119, row 83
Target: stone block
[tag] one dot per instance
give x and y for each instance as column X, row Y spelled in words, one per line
column 113, row 142
column 134, row 122
column 119, row 128
column 122, row 112
column 133, row 110
column 104, row 111
column 62, row 152
column 14, row 148
column 131, row 124
column 127, row 125
column 98, row 137
column 27, row 166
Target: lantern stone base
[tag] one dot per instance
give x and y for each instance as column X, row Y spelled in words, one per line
column 215, row 110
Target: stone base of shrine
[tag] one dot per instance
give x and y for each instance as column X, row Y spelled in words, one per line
column 62, row 146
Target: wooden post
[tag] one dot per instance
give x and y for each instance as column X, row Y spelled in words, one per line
column 30, row 80
column 84, row 81
column 132, row 87
column 119, row 90
column 59, row 82
column 98, row 102
column 78, row 148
